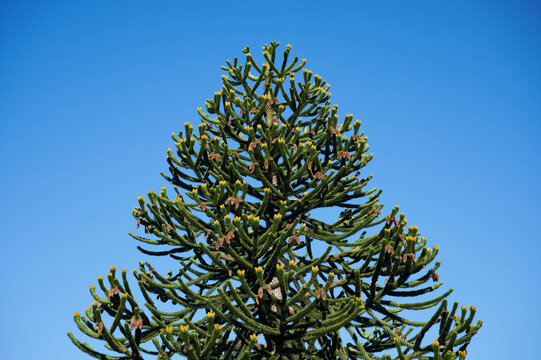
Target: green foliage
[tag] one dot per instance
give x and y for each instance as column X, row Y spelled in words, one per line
column 270, row 150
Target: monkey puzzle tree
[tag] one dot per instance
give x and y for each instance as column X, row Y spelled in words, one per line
column 259, row 276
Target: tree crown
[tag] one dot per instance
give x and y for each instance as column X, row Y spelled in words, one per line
column 269, row 151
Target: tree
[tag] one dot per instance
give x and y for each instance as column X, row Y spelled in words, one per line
column 260, row 277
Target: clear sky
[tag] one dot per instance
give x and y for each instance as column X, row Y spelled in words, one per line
column 449, row 95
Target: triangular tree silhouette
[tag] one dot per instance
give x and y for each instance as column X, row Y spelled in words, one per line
column 259, row 277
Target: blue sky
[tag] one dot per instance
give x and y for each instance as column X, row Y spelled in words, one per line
column 90, row 91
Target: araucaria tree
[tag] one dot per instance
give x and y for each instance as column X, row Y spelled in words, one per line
column 258, row 275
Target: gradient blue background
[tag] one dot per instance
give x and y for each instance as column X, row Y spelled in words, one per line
column 448, row 93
